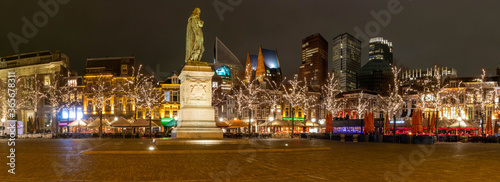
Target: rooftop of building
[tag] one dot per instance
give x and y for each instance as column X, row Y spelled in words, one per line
column 348, row 35
column 26, row 55
column 381, row 40
column 271, row 59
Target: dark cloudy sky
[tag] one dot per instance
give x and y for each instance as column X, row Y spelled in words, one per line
column 454, row 33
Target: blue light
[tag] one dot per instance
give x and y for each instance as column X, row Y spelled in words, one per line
column 79, row 113
column 72, row 113
column 223, row 71
column 65, row 114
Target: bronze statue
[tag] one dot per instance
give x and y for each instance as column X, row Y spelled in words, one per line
column 194, row 38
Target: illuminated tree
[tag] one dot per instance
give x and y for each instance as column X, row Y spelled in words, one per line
column 393, row 102
column 101, row 93
column 132, row 86
column 273, row 96
column 308, row 100
column 294, row 96
column 330, row 91
column 150, row 97
column 35, row 95
column 482, row 99
column 362, row 105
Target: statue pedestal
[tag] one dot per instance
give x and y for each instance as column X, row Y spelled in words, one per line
column 196, row 116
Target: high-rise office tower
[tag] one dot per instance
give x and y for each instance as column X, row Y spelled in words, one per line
column 376, row 75
column 380, row 49
column 314, row 65
column 346, row 60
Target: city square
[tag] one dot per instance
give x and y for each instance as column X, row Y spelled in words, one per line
column 233, row 90
column 63, row 160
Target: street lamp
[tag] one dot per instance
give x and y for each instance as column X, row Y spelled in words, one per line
column 313, row 120
column 220, row 119
column 116, row 118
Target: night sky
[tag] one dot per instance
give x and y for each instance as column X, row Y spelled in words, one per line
column 460, row 34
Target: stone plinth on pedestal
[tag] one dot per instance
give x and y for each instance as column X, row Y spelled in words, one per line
column 196, row 116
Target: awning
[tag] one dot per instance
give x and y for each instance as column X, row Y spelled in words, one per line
column 77, row 123
column 171, row 123
column 143, row 123
column 96, row 123
column 121, row 122
column 464, row 124
column 237, row 124
column 221, row 124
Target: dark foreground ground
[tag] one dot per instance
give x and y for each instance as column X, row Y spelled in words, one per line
column 63, row 160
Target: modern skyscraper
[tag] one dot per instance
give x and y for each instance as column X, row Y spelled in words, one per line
column 376, row 75
column 346, row 60
column 314, row 65
column 380, row 49
column 223, row 57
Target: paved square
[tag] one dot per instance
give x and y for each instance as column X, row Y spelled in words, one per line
column 63, row 160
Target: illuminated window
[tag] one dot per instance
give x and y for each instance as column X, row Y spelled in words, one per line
column 72, row 113
column 79, row 113
column 124, row 69
column 72, row 83
column 46, row 81
column 167, row 96
column 65, row 114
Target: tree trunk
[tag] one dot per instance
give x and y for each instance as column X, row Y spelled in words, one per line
column 150, row 127
column 293, row 123
column 482, row 125
column 436, row 127
column 57, row 126
column 249, row 121
column 394, row 116
column 100, row 124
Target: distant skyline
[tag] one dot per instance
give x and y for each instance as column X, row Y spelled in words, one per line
column 459, row 34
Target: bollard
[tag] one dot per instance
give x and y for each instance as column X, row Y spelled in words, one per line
column 342, row 137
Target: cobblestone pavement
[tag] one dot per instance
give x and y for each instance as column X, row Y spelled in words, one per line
column 63, row 160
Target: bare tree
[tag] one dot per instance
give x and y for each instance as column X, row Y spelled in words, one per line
column 308, row 100
column 394, row 101
column 362, row 105
column 238, row 94
column 330, row 91
column 35, row 95
column 150, row 98
column 273, row 96
column 218, row 98
column 482, row 99
column 131, row 87
column 101, row 93
column 294, row 96
column 436, row 93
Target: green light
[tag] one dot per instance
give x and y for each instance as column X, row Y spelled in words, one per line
column 165, row 120
column 295, row 119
